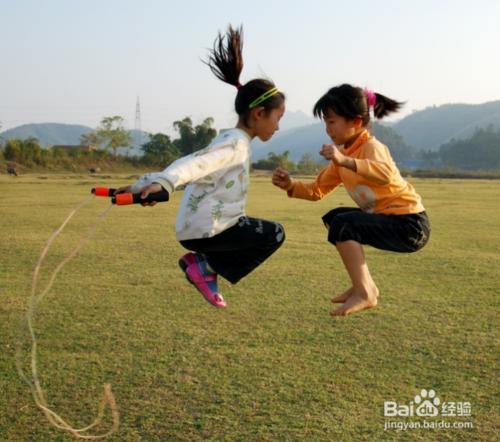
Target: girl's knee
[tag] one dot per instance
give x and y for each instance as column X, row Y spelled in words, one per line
column 279, row 233
column 340, row 230
column 331, row 217
column 275, row 235
column 272, row 235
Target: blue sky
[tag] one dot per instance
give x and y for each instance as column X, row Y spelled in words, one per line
column 75, row 61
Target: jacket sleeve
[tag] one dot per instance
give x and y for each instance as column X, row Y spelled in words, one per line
column 326, row 181
column 202, row 163
column 376, row 165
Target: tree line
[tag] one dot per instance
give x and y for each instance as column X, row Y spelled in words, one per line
column 479, row 152
column 159, row 150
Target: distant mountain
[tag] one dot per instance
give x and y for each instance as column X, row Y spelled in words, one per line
column 431, row 127
column 300, row 133
column 427, row 129
column 293, row 119
column 309, row 139
column 301, row 140
column 48, row 134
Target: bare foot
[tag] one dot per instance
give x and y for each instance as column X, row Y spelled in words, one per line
column 343, row 296
column 358, row 301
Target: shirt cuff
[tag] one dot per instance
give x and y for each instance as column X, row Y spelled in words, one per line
column 165, row 184
column 361, row 167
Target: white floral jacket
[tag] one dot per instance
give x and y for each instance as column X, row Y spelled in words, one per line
column 217, row 178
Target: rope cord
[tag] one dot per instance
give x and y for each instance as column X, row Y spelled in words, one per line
column 34, row 383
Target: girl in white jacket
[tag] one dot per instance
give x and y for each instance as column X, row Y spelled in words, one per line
column 211, row 221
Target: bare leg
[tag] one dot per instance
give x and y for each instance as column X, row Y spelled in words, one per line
column 364, row 291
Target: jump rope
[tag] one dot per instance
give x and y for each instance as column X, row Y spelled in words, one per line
column 33, row 380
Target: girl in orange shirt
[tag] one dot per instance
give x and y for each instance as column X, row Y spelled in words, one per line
column 390, row 214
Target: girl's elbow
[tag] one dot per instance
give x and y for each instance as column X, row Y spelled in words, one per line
column 386, row 178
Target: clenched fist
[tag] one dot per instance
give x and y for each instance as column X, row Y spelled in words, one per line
column 281, row 178
column 331, row 152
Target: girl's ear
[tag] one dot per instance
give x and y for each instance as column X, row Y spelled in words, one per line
column 357, row 122
column 259, row 112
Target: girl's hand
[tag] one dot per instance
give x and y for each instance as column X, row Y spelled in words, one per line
column 338, row 158
column 281, row 179
column 145, row 191
column 150, row 188
column 332, row 153
column 327, row 151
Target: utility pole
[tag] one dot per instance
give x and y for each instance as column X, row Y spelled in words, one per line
column 137, row 125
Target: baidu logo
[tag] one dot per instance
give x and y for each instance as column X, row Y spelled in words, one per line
column 431, row 410
column 424, row 404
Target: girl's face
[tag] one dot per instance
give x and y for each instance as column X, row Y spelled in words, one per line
column 267, row 122
column 340, row 129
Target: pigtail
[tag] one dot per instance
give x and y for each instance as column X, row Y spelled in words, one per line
column 385, row 106
column 225, row 59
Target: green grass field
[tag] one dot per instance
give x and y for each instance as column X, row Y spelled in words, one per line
column 273, row 366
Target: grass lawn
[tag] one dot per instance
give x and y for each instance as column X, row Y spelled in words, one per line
column 273, row 366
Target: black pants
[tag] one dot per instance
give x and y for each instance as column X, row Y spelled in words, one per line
column 238, row 250
column 397, row 233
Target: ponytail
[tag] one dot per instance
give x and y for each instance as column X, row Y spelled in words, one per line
column 225, row 61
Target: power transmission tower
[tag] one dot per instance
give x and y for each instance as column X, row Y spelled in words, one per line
column 137, row 125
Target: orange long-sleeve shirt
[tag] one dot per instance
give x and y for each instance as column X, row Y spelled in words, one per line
column 376, row 186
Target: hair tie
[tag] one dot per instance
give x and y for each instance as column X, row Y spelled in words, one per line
column 239, row 85
column 371, row 98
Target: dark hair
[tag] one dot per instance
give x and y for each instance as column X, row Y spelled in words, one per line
column 226, row 62
column 351, row 102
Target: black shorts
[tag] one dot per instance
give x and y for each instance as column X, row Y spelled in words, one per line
column 397, row 233
column 237, row 251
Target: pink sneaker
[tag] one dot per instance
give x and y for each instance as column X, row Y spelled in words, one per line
column 196, row 273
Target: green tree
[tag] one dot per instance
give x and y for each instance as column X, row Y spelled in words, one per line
column 1, row 145
column 481, row 151
column 13, row 150
column 32, row 150
column 431, row 158
column 282, row 160
column 192, row 138
column 307, row 164
column 275, row 160
column 27, row 152
column 159, row 150
column 109, row 135
column 91, row 139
